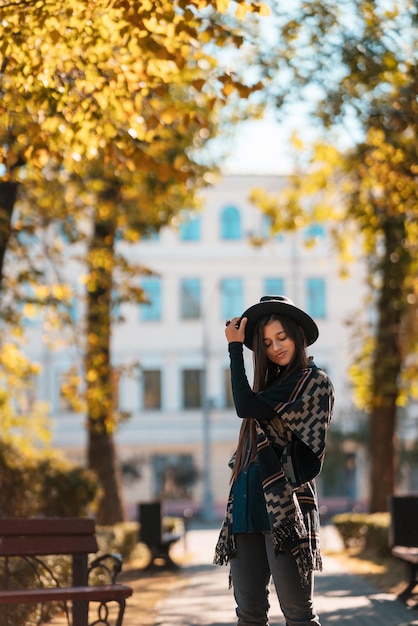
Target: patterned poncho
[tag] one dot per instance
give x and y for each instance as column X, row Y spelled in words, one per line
column 290, row 449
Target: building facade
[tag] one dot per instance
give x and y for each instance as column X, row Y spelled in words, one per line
column 171, row 354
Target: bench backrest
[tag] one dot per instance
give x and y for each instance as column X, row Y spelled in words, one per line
column 404, row 521
column 149, row 514
column 47, row 536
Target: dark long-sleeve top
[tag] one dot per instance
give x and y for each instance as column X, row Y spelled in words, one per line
column 249, row 511
column 247, row 402
column 249, row 507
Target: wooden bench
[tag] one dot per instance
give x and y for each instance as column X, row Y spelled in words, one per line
column 32, row 538
column 153, row 536
column 403, row 537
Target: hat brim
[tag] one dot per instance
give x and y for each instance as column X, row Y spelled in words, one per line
column 263, row 309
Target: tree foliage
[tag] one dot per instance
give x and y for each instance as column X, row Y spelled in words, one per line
column 110, row 98
column 18, row 373
column 356, row 62
column 106, row 108
column 75, row 79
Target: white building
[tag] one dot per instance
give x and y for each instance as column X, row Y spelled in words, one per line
column 181, row 415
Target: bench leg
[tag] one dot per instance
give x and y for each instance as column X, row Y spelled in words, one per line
column 3, row 615
column 167, row 563
column 80, row 613
column 413, row 581
column 122, row 604
column 161, row 552
column 103, row 613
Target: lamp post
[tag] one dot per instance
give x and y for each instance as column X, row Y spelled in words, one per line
column 207, row 500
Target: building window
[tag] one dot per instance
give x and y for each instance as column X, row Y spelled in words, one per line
column 230, row 223
column 316, row 297
column 315, row 231
column 273, row 286
column 190, row 228
column 228, row 398
column 151, row 310
column 190, row 298
column 231, row 295
column 151, row 389
column 192, row 389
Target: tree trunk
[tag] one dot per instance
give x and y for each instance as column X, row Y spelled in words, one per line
column 383, row 457
column 103, row 461
column 8, row 194
column 387, row 364
column 102, row 457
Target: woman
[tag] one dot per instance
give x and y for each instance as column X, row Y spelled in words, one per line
column 271, row 524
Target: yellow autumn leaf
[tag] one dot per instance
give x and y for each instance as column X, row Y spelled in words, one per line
column 242, row 10
column 163, row 68
column 61, row 292
column 40, row 158
column 169, row 115
column 222, row 5
column 264, row 9
column 101, row 99
column 227, row 89
column 29, row 310
column 205, row 36
column 91, row 376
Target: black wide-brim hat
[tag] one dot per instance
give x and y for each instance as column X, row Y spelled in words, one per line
column 278, row 305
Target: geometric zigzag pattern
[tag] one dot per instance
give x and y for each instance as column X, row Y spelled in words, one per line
column 302, row 420
column 308, row 412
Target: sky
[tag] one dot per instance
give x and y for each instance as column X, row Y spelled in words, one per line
column 263, row 146
column 259, row 147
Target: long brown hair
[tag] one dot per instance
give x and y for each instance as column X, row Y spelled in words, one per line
column 266, row 373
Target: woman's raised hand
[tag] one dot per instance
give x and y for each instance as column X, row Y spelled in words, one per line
column 235, row 329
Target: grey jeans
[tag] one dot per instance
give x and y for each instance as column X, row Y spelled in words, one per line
column 251, row 569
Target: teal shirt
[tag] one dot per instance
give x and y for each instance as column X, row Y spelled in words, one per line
column 249, row 512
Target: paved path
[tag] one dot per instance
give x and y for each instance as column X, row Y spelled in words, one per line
column 202, row 597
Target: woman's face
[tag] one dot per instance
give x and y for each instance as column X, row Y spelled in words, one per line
column 280, row 349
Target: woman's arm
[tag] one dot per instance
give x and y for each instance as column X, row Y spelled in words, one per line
column 247, row 403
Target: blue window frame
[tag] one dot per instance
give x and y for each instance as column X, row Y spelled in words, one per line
column 273, row 286
column 151, row 311
column 231, row 297
column 190, row 298
column 190, row 228
column 230, row 223
column 316, row 297
column 315, row 231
